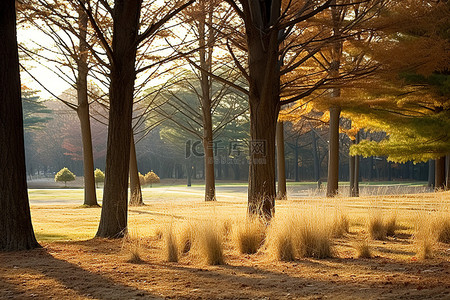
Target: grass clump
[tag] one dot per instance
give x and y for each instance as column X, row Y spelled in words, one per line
column 171, row 247
column 209, row 243
column 280, row 239
column 132, row 244
column 301, row 236
column 340, row 225
column 442, row 228
column 315, row 239
column 185, row 238
column 363, row 249
column 376, row 227
column 391, row 225
column 249, row 235
column 424, row 237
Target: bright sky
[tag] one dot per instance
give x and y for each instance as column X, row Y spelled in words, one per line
column 49, row 79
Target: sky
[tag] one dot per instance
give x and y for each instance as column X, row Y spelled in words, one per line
column 52, row 82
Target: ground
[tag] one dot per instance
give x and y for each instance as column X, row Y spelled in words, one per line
column 71, row 265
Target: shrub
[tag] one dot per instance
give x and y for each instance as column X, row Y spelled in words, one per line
column 151, row 178
column 99, row 176
column 64, row 175
column 249, row 236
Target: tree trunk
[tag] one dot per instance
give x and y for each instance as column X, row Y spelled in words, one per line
column 315, row 153
column 281, row 162
column 90, row 196
column 16, row 230
column 440, row 173
column 264, row 107
column 205, row 56
column 113, row 220
column 189, row 170
column 333, row 152
column 431, row 173
column 135, row 184
column 352, row 160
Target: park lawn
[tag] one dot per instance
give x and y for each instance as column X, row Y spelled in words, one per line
column 72, row 265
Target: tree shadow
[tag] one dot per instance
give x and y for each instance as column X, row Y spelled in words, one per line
column 69, row 275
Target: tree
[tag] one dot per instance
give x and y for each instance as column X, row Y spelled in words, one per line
column 51, row 19
column 121, row 50
column 16, row 230
column 151, row 178
column 64, row 175
column 99, row 176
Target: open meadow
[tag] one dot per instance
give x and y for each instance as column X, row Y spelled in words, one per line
column 181, row 247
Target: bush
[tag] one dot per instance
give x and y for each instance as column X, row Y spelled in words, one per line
column 64, row 175
column 151, row 178
column 99, row 176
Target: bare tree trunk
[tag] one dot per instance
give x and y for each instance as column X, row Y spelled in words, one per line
column 315, row 153
column 90, row 196
column 135, row 184
column 431, row 173
column 440, row 173
column 281, row 162
column 16, row 230
column 333, row 152
column 113, row 220
column 205, row 64
column 352, row 160
column 264, row 107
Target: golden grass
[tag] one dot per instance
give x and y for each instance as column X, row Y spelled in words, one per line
column 170, row 245
column 280, row 239
column 363, row 249
column 185, row 237
column 376, row 226
column 209, row 243
column 340, row 225
column 249, row 235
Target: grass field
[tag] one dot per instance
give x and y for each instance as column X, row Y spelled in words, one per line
column 72, row 265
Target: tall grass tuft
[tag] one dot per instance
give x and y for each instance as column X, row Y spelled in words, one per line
column 171, row 247
column 209, row 242
column 186, row 237
column 363, row 249
column 249, row 235
column 280, row 239
column 300, row 235
column 314, row 238
column 442, row 228
column 132, row 244
column 340, row 225
column 424, row 237
column 391, row 225
column 376, row 228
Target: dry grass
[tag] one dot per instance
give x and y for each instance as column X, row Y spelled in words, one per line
column 376, row 227
column 132, row 243
column 391, row 225
column 171, row 247
column 249, row 235
column 280, row 239
column 301, row 235
column 442, row 227
column 363, row 249
column 340, row 225
column 424, row 236
column 185, row 237
column 208, row 241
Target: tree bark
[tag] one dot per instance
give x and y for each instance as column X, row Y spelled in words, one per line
column 352, row 160
column 440, row 173
column 16, row 230
column 135, row 184
column 431, row 173
column 90, row 196
column 264, row 107
column 113, row 220
column 333, row 152
column 205, row 64
column 315, row 153
column 281, row 162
